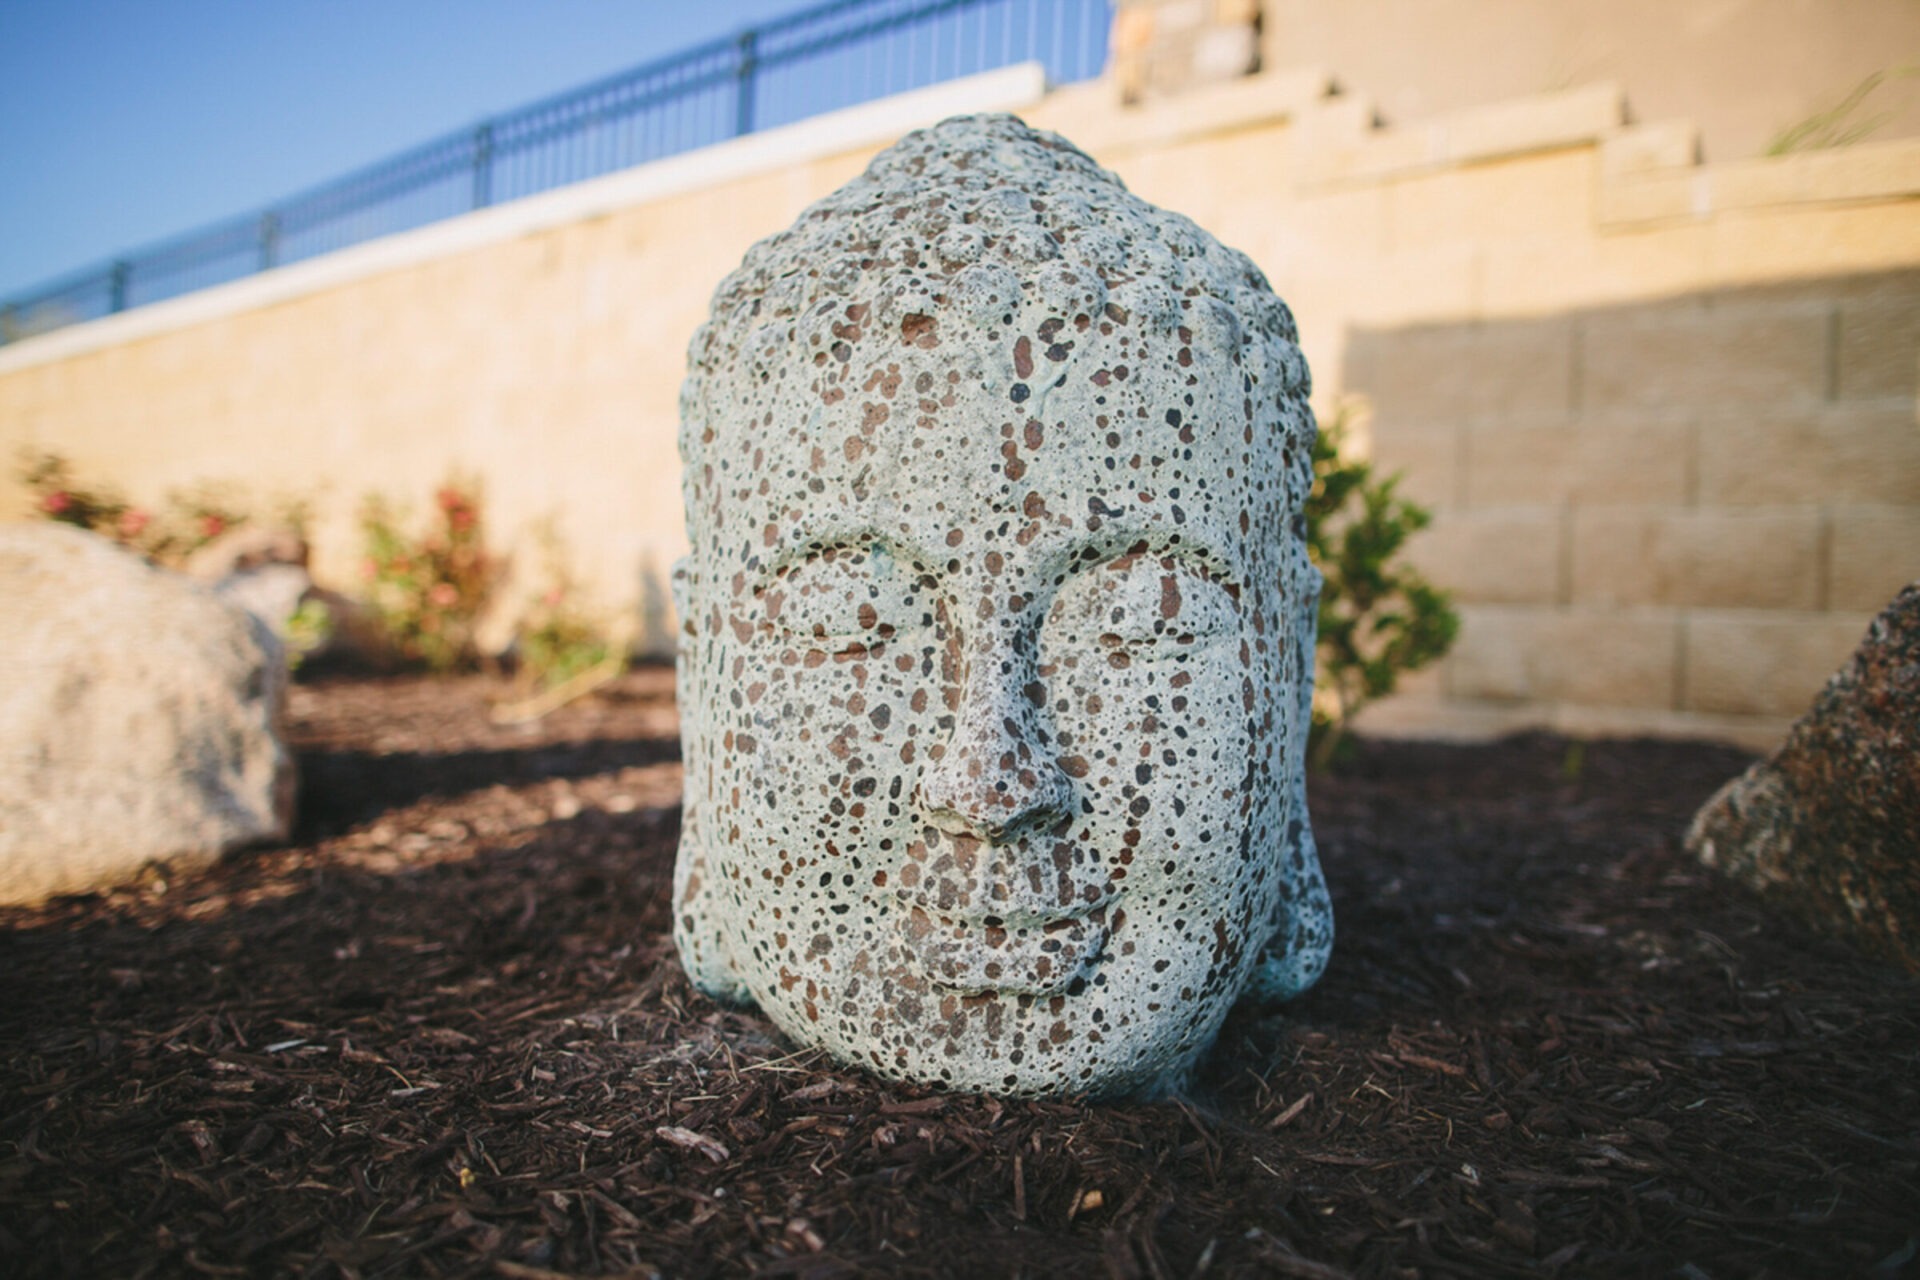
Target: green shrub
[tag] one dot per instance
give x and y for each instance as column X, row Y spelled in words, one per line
column 427, row 590
column 554, row 645
column 559, row 637
column 309, row 631
column 1379, row 618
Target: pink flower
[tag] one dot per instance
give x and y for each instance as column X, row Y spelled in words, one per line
column 133, row 522
column 444, row 594
column 56, row 502
column 458, row 508
column 212, row 526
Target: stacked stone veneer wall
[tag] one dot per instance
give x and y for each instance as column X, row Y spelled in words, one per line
column 1665, row 412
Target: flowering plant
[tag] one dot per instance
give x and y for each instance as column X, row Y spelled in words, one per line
column 428, row 590
column 560, row 637
column 179, row 527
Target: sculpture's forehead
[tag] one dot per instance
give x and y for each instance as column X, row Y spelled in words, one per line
column 984, row 439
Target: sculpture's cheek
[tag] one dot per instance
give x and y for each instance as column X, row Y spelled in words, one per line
column 813, row 810
column 1178, row 795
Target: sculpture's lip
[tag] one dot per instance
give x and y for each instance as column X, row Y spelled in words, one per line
column 1041, row 957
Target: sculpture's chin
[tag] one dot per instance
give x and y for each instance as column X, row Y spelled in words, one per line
column 973, row 958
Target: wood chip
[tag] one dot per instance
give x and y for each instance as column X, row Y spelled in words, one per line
column 686, row 1139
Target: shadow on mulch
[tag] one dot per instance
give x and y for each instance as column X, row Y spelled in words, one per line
column 389, row 743
column 443, row 1033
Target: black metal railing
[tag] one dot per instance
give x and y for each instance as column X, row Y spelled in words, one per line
column 830, row 56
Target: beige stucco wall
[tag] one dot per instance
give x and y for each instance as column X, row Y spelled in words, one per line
column 537, row 347
column 1665, row 412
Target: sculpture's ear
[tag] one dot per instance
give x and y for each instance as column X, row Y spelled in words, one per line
column 704, row 953
column 1296, row 954
column 679, row 582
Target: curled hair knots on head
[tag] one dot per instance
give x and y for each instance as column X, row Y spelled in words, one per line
column 959, row 247
column 1000, row 209
column 783, row 297
column 985, row 293
column 1294, row 375
column 1151, row 302
column 1183, row 238
column 983, row 148
column 766, row 349
column 1065, row 291
column 1025, row 246
column 837, row 277
column 1251, row 276
column 1068, row 214
column 1215, row 325
column 1102, row 251
column 988, row 222
column 819, row 329
column 1264, row 313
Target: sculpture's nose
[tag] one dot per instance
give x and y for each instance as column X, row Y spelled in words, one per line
column 996, row 776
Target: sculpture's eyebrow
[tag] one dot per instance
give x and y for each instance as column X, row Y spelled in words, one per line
column 1193, row 538
column 1115, row 530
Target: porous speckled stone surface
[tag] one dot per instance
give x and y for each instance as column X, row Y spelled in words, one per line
column 997, row 627
column 1830, row 823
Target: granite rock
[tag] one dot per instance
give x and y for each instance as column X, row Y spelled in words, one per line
column 1829, row 825
column 138, row 718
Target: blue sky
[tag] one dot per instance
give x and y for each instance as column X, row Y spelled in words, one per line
column 126, row 121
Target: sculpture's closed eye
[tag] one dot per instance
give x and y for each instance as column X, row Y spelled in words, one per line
column 1147, row 607
column 846, row 599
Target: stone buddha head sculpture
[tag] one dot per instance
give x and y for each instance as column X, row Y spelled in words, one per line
column 998, row 628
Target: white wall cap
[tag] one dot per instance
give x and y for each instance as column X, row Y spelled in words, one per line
column 870, row 124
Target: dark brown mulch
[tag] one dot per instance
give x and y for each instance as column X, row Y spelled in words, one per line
column 443, row 1033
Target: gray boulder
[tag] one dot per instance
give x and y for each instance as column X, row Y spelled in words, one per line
column 139, row 718
column 246, row 548
column 1829, row 825
column 270, row 593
